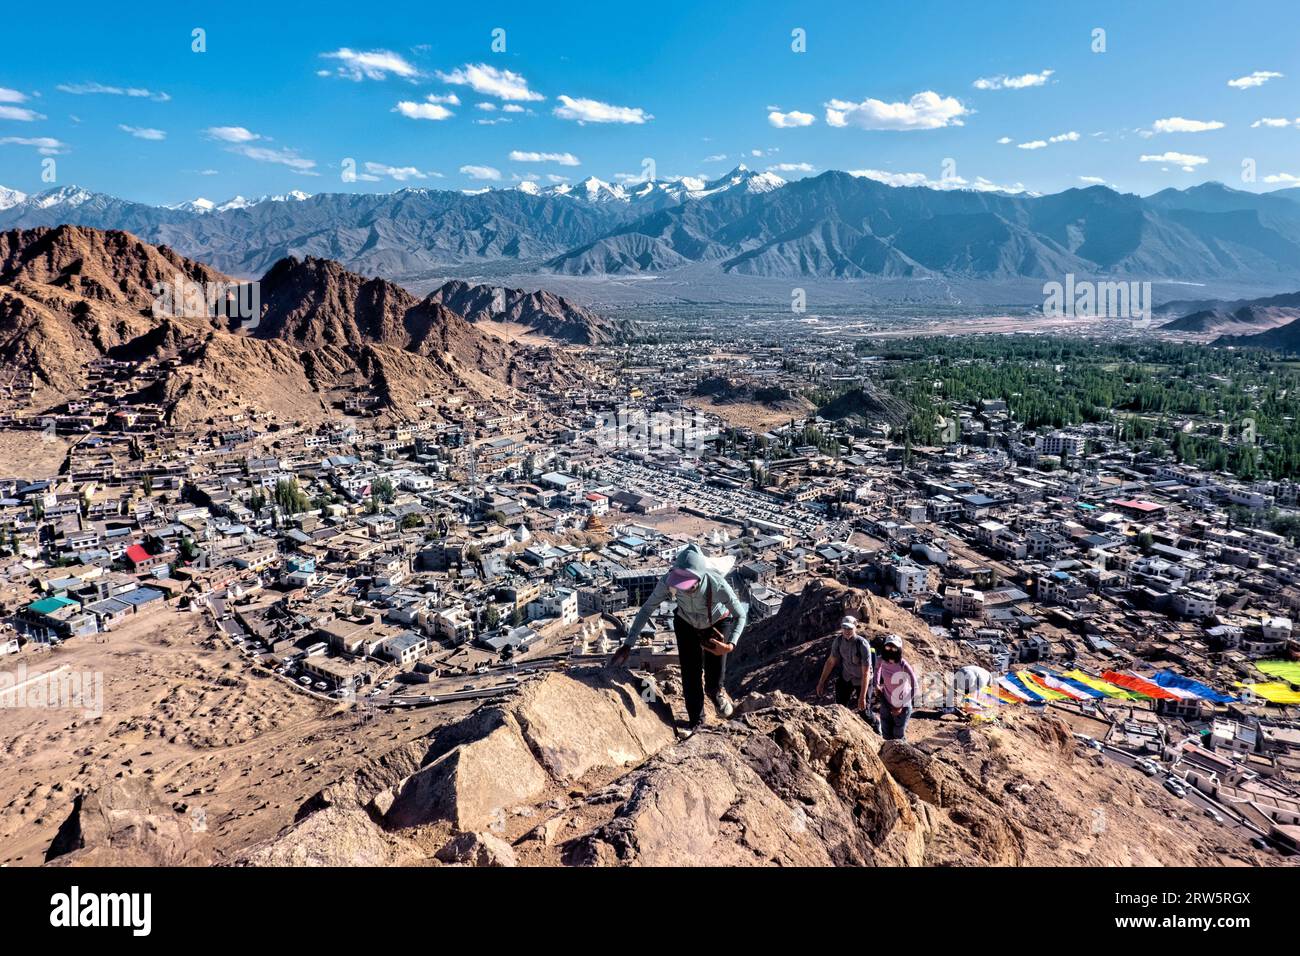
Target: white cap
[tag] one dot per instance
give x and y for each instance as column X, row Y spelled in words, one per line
column 893, row 640
column 849, row 621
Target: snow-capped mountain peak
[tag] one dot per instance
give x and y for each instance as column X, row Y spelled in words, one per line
column 63, row 196
column 199, row 205
column 597, row 190
column 10, row 197
column 743, row 177
column 239, row 202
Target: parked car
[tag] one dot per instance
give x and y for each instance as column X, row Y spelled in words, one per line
column 1176, row 787
column 321, row 685
column 1214, row 814
column 305, row 681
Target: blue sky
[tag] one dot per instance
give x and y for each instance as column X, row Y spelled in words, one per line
column 124, row 106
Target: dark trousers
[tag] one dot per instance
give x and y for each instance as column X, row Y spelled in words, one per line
column 846, row 693
column 701, row 671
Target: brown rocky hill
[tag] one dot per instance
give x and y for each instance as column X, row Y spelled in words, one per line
column 580, row 769
column 1240, row 318
column 541, row 311
column 69, row 295
column 100, row 266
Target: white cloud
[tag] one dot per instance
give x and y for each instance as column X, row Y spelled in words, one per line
column 142, row 132
column 926, row 110
column 491, row 122
column 789, row 120
column 1284, row 178
column 513, row 108
column 1176, row 124
column 555, row 178
column 488, row 107
column 425, row 111
column 45, row 145
column 450, row 99
column 240, row 139
column 481, row 172
column 1095, row 180
column 1186, row 161
column 1004, row 82
column 209, row 172
column 1258, row 78
column 371, row 64
column 400, row 173
column 522, row 156
column 1070, row 137
column 715, row 158
column 20, row 113
column 490, row 81
column 1273, row 122
column 12, row 96
column 84, row 89
column 792, row 168
column 1002, row 141
column 594, row 111
column 232, row 134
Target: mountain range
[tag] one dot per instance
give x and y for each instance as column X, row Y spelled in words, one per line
column 746, row 223
column 70, row 295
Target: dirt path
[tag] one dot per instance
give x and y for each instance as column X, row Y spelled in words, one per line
column 221, row 741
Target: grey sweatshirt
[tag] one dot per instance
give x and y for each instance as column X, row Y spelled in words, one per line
column 710, row 601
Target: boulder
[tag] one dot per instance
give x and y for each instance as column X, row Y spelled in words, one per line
column 556, row 731
column 574, row 726
column 336, row 836
column 472, row 784
column 477, row 849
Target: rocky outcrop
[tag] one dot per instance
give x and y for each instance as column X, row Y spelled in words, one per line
column 556, row 731
column 543, row 312
column 784, row 784
column 477, row 849
column 337, row 836
column 579, row 770
column 124, row 822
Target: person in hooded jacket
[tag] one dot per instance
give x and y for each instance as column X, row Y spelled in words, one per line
column 708, row 623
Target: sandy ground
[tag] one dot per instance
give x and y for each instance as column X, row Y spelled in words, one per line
column 515, row 332
column 30, row 454
column 752, row 414
column 227, row 745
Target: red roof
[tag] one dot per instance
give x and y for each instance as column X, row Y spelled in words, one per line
column 1139, row 505
column 136, row 553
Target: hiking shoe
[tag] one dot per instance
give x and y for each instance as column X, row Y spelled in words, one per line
column 687, row 728
column 723, row 703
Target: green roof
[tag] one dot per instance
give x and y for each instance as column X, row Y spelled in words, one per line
column 50, row 605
